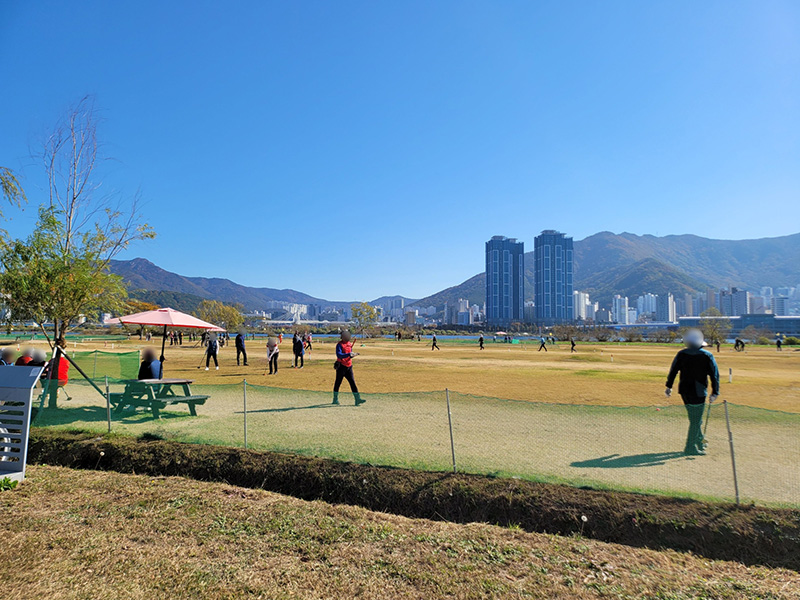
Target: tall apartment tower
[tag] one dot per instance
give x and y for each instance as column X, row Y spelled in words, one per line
column 553, row 277
column 505, row 280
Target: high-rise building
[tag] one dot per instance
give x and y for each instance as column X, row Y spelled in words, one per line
column 581, row 306
column 505, row 280
column 646, row 304
column 734, row 302
column 665, row 309
column 780, row 306
column 619, row 309
column 688, row 305
column 553, row 277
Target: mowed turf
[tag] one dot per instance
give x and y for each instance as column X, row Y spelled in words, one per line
column 570, row 429
column 90, row 534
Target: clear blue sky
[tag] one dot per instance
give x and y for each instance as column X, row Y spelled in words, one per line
column 354, row 149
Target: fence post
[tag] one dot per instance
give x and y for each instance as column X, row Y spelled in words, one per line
column 244, row 390
column 730, row 375
column 450, row 422
column 108, row 405
column 733, row 455
column 94, row 368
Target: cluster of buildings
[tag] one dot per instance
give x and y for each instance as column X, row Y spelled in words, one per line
column 554, row 299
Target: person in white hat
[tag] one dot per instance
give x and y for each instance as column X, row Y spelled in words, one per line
column 696, row 366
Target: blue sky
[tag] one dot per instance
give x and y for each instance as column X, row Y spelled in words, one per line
column 355, row 149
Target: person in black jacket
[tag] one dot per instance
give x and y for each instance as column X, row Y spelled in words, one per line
column 696, row 366
column 240, row 348
column 150, row 367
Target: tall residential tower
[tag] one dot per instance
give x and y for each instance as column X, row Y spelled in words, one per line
column 553, row 277
column 505, row 280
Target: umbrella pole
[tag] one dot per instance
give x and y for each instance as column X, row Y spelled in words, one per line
column 163, row 342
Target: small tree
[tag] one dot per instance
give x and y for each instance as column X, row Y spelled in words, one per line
column 60, row 272
column 220, row 314
column 714, row 328
column 364, row 315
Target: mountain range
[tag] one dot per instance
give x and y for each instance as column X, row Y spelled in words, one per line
column 605, row 264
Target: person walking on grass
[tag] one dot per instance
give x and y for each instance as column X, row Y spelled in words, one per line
column 779, row 344
column 572, row 345
column 480, row 342
column 344, row 368
column 308, row 341
column 211, row 350
column 696, row 366
column 299, row 351
column 434, row 345
column 272, row 355
column 542, row 344
column 240, row 350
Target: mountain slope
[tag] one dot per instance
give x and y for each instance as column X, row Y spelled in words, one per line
column 145, row 279
column 719, row 263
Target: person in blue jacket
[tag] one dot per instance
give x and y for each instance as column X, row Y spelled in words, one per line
column 150, row 367
column 696, row 367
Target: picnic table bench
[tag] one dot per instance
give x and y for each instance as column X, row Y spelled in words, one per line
column 156, row 395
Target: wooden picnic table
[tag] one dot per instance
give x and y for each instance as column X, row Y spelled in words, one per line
column 156, row 395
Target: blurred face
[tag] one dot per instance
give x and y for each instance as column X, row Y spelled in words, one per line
column 345, row 336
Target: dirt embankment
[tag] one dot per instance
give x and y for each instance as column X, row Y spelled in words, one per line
column 748, row 534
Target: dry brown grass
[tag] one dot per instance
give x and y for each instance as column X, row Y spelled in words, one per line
column 70, row 534
column 763, row 377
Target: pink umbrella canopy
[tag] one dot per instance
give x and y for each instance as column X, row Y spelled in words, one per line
column 167, row 317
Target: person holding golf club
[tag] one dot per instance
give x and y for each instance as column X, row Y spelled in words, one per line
column 696, row 366
column 272, row 355
column 344, row 367
column 211, row 350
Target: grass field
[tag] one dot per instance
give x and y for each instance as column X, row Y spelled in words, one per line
column 552, row 416
column 90, row 534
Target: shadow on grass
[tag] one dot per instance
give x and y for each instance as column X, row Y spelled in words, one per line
column 289, row 408
column 97, row 414
column 615, row 461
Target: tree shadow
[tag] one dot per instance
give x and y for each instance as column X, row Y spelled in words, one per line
column 616, row 461
column 97, row 414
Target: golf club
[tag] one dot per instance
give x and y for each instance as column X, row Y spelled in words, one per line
column 705, row 427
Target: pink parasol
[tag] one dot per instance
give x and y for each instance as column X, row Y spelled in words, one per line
column 168, row 317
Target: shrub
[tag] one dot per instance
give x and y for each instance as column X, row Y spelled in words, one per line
column 792, row 341
column 6, row 484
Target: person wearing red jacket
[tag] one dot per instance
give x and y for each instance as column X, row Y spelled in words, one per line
column 344, row 368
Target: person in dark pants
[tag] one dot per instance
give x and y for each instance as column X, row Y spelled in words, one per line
column 434, row 345
column 717, row 344
column 779, row 344
column 211, row 351
column 696, row 366
column 480, row 342
column 344, row 368
column 299, row 351
column 240, row 348
column 272, row 355
column 542, row 344
column 572, row 345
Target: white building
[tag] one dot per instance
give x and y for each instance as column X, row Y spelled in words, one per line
column 619, row 309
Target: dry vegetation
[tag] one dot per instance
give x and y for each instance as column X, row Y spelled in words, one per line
column 84, row 534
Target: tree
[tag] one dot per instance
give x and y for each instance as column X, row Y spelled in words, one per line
column 714, row 327
column 223, row 315
column 364, row 315
column 10, row 188
column 60, row 272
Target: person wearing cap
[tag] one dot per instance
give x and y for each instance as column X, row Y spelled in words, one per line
column 344, row 368
column 696, row 366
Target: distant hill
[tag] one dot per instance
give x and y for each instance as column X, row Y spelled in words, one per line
column 149, row 282
column 608, row 263
column 648, row 275
column 719, row 263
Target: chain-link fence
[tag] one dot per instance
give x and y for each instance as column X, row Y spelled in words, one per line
column 637, row 449
column 97, row 364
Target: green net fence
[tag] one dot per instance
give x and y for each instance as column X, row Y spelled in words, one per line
column 97, row 364
column 637, row 449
